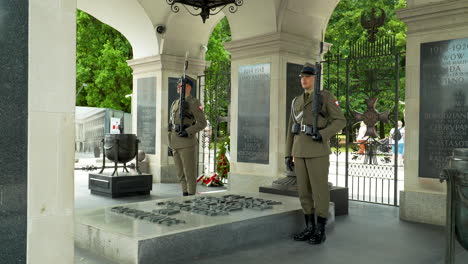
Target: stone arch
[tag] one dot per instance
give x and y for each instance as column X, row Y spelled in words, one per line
column 129, row 18
column 188, row 33
column 308, row 19
column 254, row 18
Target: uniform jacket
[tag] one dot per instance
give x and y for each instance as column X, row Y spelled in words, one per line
column 332, row 122
column 194, row 119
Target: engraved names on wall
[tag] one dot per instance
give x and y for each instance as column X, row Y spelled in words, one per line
column 443, row 103
column 146, row 114
column 253, row 128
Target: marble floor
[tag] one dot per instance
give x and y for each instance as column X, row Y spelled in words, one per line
column 369, row 234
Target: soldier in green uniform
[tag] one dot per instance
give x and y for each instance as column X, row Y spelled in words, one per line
column 308, row 155
column 183, row 142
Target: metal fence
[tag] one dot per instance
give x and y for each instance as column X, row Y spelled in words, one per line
column 367, row 83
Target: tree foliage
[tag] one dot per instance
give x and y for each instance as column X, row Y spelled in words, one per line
column 220, row 35
column 101, row 55
column 344, row 27
column 217, row 81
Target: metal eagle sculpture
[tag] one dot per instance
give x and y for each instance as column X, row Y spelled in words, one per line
column 372, row 25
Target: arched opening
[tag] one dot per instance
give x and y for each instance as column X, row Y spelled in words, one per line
column 365, row 70
column 130, row 18
column 104, row 82
column 103, row 77
column 215, row 91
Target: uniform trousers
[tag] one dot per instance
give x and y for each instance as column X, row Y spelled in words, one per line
column 312, row 184
column 186, row 166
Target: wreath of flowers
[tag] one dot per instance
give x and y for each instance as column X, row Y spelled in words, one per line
column 210, row 180
column 222, row 169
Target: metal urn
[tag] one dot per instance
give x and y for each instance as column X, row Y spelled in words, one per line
column 120, row 148
column 456, row 175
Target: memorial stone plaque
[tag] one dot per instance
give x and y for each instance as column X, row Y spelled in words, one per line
column 146, row 114
column 293, row 86
column 443, row 104
column 173, row 95
column 253, row 126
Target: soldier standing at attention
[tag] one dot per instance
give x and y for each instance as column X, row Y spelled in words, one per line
column 311, row 152
column 182, row 141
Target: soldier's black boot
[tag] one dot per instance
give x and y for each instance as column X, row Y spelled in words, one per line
column 185, row 193
column 319, row 235
column 309, row 230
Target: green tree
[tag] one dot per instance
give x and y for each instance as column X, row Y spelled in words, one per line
column 218, row 79
column 220, row 35
column 101, row 55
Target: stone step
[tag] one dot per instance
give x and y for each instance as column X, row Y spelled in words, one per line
column 338, row 195
column 116, row 234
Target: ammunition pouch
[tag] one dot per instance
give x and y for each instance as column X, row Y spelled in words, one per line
column 296, row 128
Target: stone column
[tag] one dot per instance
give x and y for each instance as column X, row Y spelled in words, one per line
column 259, row 101
column 152, row 79
column 423, row 199
column 37, row 97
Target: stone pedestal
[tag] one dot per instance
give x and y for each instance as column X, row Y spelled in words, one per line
column 129, row 239
column 338, row 196
column 124, row 184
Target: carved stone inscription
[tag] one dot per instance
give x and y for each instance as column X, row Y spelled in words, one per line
column 443, row 107
column 146, row 114
column 253, row 128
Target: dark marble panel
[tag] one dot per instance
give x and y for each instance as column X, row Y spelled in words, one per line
column 172, row 93
column 253, row 126
column 13, row 222
column 14, row 128
column 443, row 118
column 146, row 114
column 293, row 86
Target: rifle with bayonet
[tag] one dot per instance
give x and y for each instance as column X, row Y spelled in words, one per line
column 182, row 102
column 317, row 99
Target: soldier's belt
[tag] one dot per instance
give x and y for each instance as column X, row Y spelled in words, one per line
column 308, row 129
column 176, row 127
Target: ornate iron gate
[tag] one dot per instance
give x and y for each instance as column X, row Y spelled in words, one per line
column 367, row 83
column 215, row 94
